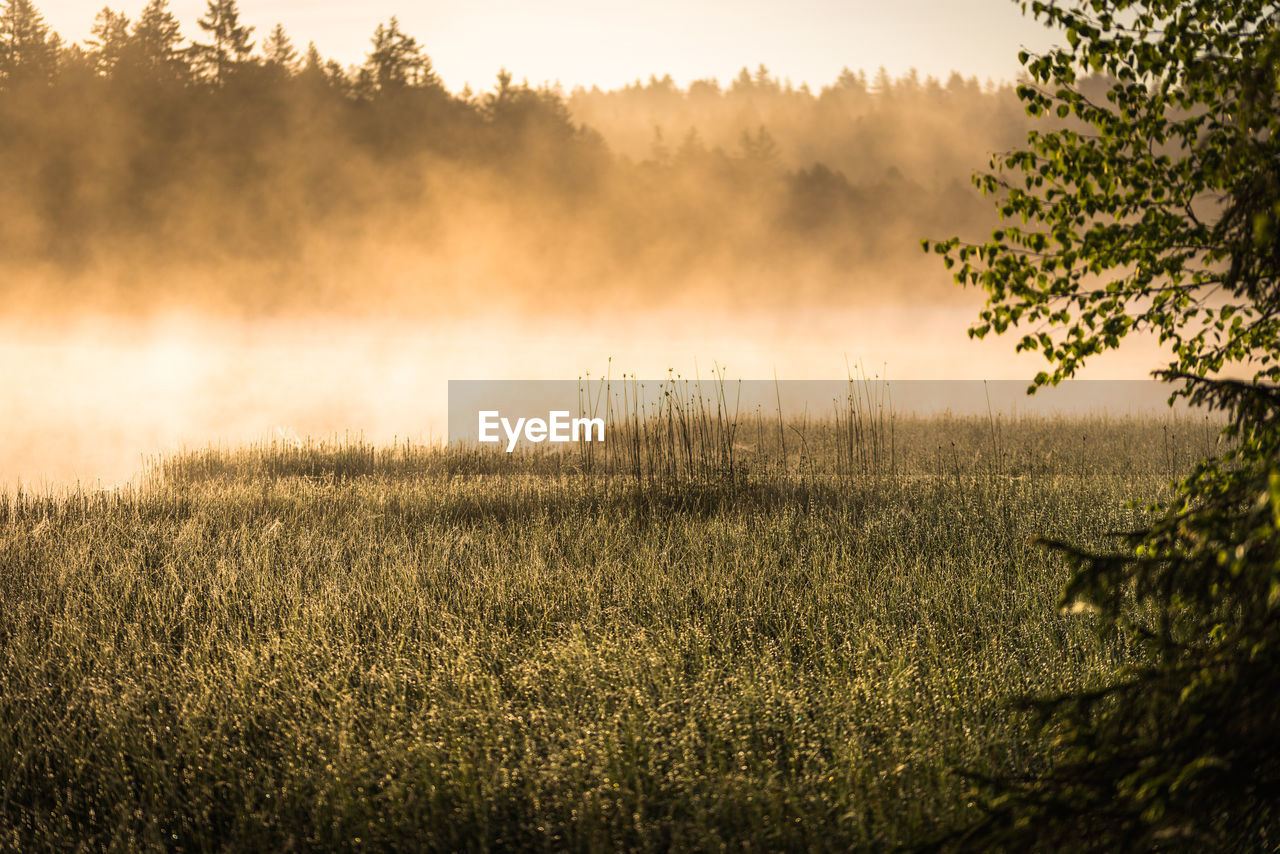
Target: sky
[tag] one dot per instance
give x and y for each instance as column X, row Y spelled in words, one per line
column 593, row 42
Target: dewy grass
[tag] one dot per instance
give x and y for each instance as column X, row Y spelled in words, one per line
column 335, row 645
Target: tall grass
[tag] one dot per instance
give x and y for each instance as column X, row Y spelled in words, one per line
column 682, row 444
column 690, row 640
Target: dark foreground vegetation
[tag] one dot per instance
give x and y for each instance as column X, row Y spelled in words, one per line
column 1163, row 218
column 341, row 646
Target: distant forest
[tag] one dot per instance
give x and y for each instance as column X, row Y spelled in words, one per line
column 233, row 168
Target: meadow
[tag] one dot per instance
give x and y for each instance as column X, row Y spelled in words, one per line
column 803, row 636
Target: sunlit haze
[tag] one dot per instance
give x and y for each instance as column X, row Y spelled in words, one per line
column 318, row 250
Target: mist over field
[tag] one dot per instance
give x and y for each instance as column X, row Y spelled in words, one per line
column 214, row 244
column 291, row 194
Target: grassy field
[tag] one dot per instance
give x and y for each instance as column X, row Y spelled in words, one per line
column 342, row 646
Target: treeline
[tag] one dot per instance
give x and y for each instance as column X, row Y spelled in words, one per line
column 235, row 168
column 860, row 127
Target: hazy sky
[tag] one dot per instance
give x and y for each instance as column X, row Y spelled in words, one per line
column 609, row 44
